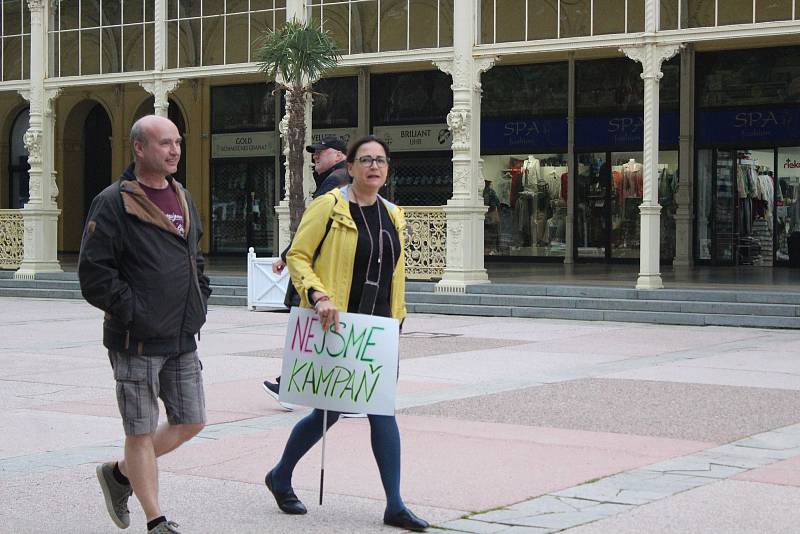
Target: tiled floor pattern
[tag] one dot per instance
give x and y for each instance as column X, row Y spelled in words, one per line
column 622, row 492
column 645, row 408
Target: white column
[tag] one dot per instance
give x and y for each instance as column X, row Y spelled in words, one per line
column 282, row 209
column 157, row 85
column 651, row 56
column 684, row 197
column 40, row 214
column 160, row 36
column 569, row 253
column 465, row 210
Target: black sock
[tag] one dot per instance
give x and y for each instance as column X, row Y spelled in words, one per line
column 155, row 522
column 119, row 477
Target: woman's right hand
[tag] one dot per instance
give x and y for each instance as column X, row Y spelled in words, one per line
column 327, row 311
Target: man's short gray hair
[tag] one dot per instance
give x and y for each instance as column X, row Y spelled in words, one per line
column 137, row 132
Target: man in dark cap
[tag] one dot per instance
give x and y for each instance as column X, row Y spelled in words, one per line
column 330, row 166
column 330, row 171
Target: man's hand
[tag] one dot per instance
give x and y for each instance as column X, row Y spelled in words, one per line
column 278, row 266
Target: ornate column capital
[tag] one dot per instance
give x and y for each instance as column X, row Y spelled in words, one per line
column 651, row 56
column 36, row 5
column 160, row 89
column 50, row 96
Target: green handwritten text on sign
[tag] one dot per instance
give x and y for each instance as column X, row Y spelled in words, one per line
column 353, row 369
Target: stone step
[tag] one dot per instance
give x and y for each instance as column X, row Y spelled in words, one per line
column 761, row 309
column 695, row 319
column 610, row 304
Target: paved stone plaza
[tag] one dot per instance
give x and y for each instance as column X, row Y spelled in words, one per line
column 508, row 425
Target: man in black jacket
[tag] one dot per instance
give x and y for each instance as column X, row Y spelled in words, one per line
column 141, row 264
column 330, row 165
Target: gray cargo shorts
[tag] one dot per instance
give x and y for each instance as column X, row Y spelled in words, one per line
column 141, row 380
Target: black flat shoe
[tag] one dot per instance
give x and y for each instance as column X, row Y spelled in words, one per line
column 407, row 520
column 287, row 500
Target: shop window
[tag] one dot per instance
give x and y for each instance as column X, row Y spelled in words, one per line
column 409, row 111
column 609, row 189
column 608, row 85
column 703, row 186
column 787, row 229
column 335, row 102
column 410, row 98
column 420, row 179
column 526, row 197
column 737, row 201
column 766, row 76
column 242, row 108
column 521, row 91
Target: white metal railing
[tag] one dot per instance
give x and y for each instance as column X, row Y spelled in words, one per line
column 11, row 239
column 265, row 289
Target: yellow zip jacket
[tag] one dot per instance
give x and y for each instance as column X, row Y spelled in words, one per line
column 332, row 273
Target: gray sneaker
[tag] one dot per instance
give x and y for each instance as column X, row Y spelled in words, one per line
column 115, row 494
column 165, row 527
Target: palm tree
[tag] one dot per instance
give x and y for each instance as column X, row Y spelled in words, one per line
column 295, row 56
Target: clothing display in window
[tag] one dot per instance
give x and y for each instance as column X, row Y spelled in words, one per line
column 632, row 179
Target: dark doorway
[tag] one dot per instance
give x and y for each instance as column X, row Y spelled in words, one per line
column 18, row 168
column 96, row 155
column 242, row 205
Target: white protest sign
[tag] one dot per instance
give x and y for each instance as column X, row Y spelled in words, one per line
column 352, row 370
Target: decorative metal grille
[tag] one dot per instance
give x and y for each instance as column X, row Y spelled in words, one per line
column 11, row 244
column 426, row 242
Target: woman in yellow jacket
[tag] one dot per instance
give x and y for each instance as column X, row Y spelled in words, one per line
column 359, row 267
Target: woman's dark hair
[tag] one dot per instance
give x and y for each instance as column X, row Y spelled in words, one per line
column 351, row 152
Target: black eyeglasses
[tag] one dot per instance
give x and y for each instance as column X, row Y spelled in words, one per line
column 367, row 161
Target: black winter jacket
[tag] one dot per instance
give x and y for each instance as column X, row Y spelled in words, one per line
column 135, row 266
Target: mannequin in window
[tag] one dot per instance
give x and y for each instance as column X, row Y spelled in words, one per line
column 531, row 170
column 632, row 179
